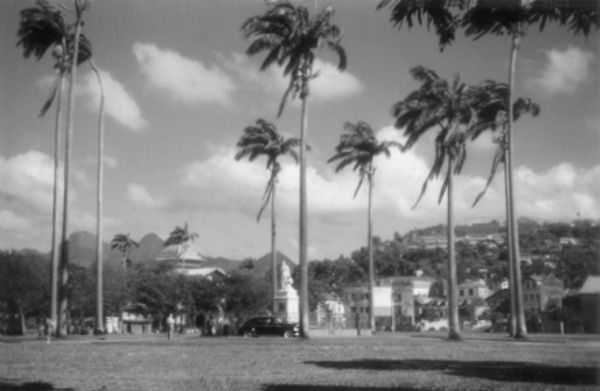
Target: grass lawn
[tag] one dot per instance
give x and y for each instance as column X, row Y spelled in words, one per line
column 382, row 362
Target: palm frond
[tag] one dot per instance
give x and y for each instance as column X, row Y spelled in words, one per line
column 50, row 100
column 498, row 159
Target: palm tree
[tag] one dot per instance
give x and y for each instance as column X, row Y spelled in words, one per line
column 359, row 147
column 449, row 108
column 512, row 18
column 123, row 243
column 264, row 139
column 43, row 28
column 291, row 37
column 180, row 237
column 99, row 189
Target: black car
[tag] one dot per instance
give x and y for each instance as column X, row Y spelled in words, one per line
column 268, row 325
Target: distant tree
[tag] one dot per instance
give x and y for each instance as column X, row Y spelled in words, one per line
column 292, row 37
column 245, row 296
column 123, row 243
column 358, row 147
column 23, row 285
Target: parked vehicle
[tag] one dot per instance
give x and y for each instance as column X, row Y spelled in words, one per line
column 268, row 325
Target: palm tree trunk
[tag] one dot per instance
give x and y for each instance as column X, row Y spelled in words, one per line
column 55, row 211
column 453, row 323
column 274, row 249
column 370, row 250
column 99, row 260
column 303, row 313
column 64, row 261
column 521, row 329
column 512, row 325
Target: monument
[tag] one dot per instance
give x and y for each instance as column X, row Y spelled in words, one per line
column 286, row 299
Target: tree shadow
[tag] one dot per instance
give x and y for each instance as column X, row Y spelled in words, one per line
column 30, row 386
column 312, row 387
column 491, row 370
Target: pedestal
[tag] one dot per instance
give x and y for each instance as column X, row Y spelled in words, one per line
column 286, row 302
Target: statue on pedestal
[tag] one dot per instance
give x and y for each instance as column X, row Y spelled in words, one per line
column 286, row 278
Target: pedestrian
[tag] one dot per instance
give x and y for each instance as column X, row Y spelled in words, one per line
column 49, row 329
column 170, row 324
column 357, row 322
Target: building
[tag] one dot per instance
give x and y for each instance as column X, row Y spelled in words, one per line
column 357, row 299
column 540, row 294
column 589, row 296
column 473, row 289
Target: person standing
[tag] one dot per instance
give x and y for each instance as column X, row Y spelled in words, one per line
column 49, row 329
column 170, row 324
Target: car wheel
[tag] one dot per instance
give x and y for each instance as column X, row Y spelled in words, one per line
column 288, row 334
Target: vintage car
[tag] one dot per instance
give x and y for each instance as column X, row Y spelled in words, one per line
column 268, row 325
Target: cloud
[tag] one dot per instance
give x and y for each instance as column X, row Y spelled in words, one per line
column 9, row 220
column 119, row 105
column 188, row 81
column 109, row 161
column 563, row 71
column 140, row 196
column 26, row 181
column 221, row 183
column 331, row 84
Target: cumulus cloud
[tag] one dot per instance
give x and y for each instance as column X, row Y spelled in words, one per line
column 26, row 181
column 220, row 182
column 331, row 83
column 563, row 71
column 140, row 196
column 186, row 80
column 119, row 105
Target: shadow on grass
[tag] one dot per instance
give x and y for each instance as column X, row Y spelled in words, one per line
column 311, row 387
column 491, row 370
column 30, row 386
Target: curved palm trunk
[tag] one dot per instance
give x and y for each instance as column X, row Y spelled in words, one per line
column 370, row 250
column 55, row 211
column 453, row 324
column 303, row 313
column 64, row 259
column 274, row 249
column 521, row 329
column 99, row 260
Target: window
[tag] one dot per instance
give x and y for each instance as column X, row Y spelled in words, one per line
column 470, row 291
column 461, row 292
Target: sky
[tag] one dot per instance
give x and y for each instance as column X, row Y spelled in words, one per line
column 180, row 90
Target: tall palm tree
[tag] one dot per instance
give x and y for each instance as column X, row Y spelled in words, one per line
column 450, row 109
column 123, row 243
column 42, row 28
column 513, row 18
column 99, row 190
column 359, row 147
column 291, row 37
column 181, row 237
column 264, row 139
column 75, row 42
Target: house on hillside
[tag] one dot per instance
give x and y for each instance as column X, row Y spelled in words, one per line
column 542, row 293
column 473, row 289
column 589, row 296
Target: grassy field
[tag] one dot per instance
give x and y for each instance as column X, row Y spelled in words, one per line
column 383, row 362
